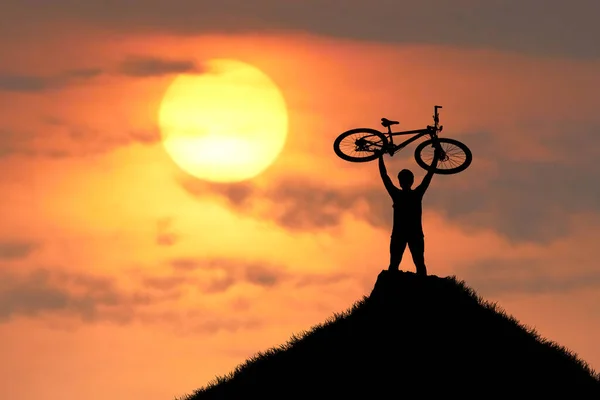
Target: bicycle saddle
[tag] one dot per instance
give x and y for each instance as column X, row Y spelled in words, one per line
column 387, row 123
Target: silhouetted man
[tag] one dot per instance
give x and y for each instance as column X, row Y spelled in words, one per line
column 407, row 228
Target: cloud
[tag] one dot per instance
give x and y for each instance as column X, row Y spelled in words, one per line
column 62, row 139
column 36, row 84
column 134, row 66
column 165, row 283
column 13, row 142
column 260, row 276
column 185, row 264
column 295, row 203
column 23, row 83
column 150, row 66
column 526, row 276
column 90, row 299
column 545, row 27
column 225, row 279
column 218, row 275
column 165, row 236
column 229, row 324
column 526, row 199
column 14, row 249
column 87, row 297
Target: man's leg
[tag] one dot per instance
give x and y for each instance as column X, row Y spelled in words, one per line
column 397, row 247
column 417, row 250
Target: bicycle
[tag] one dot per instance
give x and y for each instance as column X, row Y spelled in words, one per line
column 374, row 143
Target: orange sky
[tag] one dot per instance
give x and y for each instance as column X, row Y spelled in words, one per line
column 122, row 277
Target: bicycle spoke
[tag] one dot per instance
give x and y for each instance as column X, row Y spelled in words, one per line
column 455, row 156
column 352, row 145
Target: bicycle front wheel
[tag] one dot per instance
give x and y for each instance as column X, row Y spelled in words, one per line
column 458, row 156
column 360, row 145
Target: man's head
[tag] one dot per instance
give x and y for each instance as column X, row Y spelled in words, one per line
column 406, row 179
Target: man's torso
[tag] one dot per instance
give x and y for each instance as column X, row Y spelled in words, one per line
column 407, row 212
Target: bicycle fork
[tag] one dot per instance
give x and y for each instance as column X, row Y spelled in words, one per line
column 436, row 145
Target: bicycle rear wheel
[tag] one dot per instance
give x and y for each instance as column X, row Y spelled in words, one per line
column 360, row 145
column 458, row 156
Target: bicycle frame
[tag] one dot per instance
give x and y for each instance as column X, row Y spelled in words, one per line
column 432, row 131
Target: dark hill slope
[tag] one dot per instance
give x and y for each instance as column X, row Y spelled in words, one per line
column 412, row 337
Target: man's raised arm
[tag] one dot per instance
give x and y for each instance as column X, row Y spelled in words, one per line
column 427, row 179
column 384, row 176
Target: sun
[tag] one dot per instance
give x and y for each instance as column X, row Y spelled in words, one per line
column 226, row 124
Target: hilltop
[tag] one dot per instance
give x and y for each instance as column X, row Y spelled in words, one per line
column 412, row 335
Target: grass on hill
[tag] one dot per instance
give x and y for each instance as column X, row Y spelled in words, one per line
column 426, row 335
